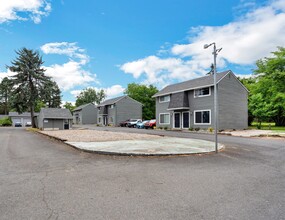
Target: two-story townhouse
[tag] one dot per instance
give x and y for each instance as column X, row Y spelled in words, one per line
column 113, row 111
column 190, row 104
column 85, row 114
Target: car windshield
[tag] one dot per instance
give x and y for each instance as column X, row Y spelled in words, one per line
column 133, row 120
column 152, row 121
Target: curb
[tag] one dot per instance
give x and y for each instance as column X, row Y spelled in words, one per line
column 144, row 154
column 129, row 154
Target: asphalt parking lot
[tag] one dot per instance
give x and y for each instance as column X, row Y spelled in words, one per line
column 41, row 178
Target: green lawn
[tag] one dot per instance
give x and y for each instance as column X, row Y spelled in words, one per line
column 268, row 126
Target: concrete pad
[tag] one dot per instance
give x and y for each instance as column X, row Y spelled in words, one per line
column 162, row 146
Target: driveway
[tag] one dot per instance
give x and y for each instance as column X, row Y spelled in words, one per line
column 44, row 179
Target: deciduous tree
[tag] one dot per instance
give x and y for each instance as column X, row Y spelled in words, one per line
column 143, row 94
column 90, row 95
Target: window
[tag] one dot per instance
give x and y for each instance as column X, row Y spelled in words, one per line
column 111, row 106
column 202, row 92
column 165, row 98
column 202, row 117
column 164, row 118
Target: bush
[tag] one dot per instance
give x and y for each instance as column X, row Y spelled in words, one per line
column 258, row 126
column 165, row 128
column 210, row 129
column 197, row 129
column 191, row 129
column 6, row 121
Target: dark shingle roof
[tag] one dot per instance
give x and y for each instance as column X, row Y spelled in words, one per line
column 24, row 114
column 82, row 106
column 191, row 84
column 58, row 113
column 111, row 101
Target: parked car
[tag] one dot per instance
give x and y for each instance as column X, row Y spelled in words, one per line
column 150, row 124
column 18, row 124
column 133, row 123
column 124, row 123
column 141, row 124
column 28, row 124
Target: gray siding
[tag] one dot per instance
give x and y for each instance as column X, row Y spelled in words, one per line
column 86, row 115
column 89, row 115
column 233, row 113
column 162, row 108
column 127, row 108
column 232, row 106
column 112, row 115
column 201, row 103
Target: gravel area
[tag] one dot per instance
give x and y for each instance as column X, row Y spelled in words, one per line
column 96, row 136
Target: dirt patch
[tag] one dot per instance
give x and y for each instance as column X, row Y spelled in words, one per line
column 96, row 136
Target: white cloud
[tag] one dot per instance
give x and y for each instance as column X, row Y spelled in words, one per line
column 160, row 71
column 69, row 75
column 8, row 73
column 72, row 73
column 113, row 91
column 66, row 48
column 251, row 37
column 33, row 9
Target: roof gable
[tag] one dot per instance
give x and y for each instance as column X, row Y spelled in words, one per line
column 58, row 113
column 115, row 100
column 192, row 84
column 82, row 106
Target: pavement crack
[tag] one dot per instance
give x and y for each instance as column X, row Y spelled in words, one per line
column 44, row 198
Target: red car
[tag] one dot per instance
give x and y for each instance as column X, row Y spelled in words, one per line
column 124, row 123
column 150, row 124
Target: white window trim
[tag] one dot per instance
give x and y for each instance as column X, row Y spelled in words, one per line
column 164, row 114
column 163, row 101
column 202, row 95
column 204, row 110
column 183, row 120
column 174, row 120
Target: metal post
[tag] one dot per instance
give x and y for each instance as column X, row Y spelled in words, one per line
column 216, row 110
column 215, row 99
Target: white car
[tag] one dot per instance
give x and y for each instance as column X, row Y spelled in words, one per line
column 133, row 122
column 28, row 124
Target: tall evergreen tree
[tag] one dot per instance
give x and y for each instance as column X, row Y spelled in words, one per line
column 5, row 93
column 28, row 80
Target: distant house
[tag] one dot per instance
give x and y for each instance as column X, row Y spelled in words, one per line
column 85, row 114
column 54, row 119
column 113, row 111
column 23, row 118
column 191, row 103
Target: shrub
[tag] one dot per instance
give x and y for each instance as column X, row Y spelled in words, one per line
column 258, row 126
column 165, row 128
column 197, row 129
column 210, row 129
column 191, row 129
column 6, row 121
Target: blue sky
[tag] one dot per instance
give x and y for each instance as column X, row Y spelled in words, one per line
column 107, row 44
